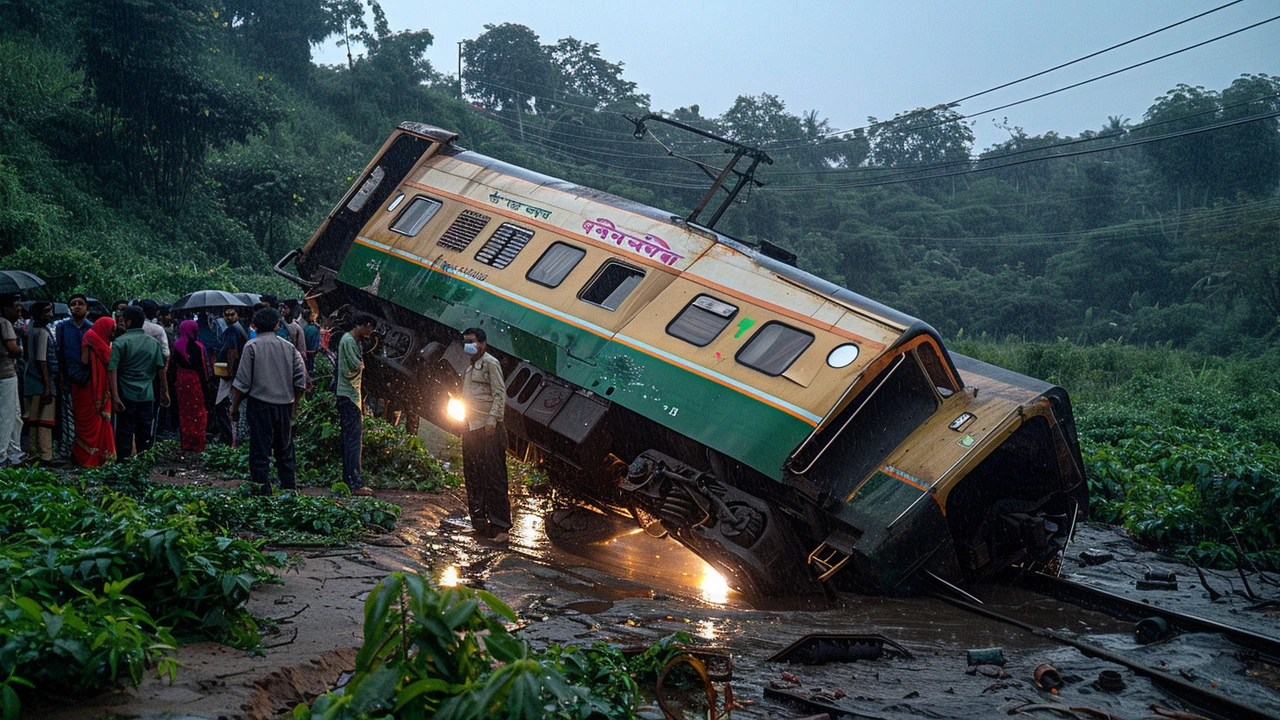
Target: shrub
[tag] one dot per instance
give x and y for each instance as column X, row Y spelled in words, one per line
column 445, row 653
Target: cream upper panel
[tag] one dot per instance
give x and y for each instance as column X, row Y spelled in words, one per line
column 725, row 267
column 567, row 213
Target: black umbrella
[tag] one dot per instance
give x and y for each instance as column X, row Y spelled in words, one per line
column 204, row 299
column 12, row 281
column 250, row 299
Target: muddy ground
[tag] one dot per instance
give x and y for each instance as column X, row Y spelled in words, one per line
column 577, row 576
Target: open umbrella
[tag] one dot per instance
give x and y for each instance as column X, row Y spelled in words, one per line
column 12, row 281
column 249, row 299
column 204, row 299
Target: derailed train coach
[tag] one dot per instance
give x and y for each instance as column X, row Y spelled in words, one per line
column 794, row 434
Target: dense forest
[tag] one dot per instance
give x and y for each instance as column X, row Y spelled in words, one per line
column 156, row 147
column 151, row 147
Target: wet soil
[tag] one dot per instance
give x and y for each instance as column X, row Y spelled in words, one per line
column 576, row 575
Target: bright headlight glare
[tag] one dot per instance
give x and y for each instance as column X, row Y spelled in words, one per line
column 456, row 409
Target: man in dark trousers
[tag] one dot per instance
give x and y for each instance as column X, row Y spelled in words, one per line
column 135, row 374
column 350, row 407
column 272, row 376
column 484, row 440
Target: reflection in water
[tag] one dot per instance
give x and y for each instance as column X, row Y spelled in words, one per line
column 707, row 630
column 713, row 586
column 449, row 578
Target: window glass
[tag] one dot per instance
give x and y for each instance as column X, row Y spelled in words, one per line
column 555, row 264
column 611, row 285
column 503, row 245
column 702, row 320
column 774, row 347
column 420, row 210
column 370, row 184
column 843, row 356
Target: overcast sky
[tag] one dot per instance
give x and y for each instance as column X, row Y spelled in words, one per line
column 851, row 59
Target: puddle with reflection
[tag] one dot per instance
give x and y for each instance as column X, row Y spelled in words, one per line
column 605, row 556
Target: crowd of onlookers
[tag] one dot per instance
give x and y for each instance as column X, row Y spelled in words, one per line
column 99, row 384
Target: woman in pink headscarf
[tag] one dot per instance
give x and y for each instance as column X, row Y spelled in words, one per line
column 193, row 374
column 95, row 443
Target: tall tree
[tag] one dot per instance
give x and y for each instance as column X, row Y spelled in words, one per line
column 587, row 75
column 280, row 33
column 1201, row 168
column 164, row 99
column 508, row 68
column 920, row 137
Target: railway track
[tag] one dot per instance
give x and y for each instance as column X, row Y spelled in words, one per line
column 1253, row 646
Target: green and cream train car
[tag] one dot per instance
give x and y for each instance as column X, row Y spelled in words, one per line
column 791, row 432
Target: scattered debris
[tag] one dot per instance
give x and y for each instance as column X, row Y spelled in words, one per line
column 1149, row 630
column 1110, row 681
column 822, row 648
column 1094, row 556
column 1047, row 677
column 1158, row 580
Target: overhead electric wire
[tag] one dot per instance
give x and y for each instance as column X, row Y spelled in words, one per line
column 1129, row 230
column 1074, row 153
column 1024, row 151
column 958, row 118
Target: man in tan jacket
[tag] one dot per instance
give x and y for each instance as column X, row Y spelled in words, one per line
column 484, row 440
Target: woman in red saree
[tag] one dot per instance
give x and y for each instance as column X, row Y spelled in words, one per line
column 193, row 374
column 95, row 440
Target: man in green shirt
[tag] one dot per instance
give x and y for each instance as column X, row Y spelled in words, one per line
column 135, row 377
column 350, row 415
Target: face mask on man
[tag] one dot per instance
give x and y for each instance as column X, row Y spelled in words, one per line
column 470, row 348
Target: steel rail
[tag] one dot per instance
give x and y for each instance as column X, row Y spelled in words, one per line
column 1203, row 698
column 1268, row 647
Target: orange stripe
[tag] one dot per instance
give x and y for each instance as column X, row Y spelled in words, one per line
column 904, row 479
column 614, row 338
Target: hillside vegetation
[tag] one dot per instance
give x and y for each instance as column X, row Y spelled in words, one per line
column 154, row 147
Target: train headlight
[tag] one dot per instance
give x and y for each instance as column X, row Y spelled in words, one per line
column 456, row 409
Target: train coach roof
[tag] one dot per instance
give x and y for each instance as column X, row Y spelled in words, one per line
column 907, row 325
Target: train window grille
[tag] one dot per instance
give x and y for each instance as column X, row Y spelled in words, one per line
column 503, row 246
column 555, row 264
column 415, row 216
column 702, row 320
column 463, row 230
column 774, row 348
column 366, row 189
column 611, row 285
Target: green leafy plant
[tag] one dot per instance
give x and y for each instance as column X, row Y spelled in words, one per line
column 390, row 458
column 447, row 653
column 1202, row 494
column 97, row 584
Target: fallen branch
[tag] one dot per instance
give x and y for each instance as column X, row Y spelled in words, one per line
column 281, row 644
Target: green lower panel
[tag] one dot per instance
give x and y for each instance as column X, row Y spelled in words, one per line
column 721, row 417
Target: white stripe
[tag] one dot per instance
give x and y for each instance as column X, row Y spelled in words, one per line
column 673, row 359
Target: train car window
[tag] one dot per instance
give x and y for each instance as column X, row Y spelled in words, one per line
column 611, row 285
column 842, row 356
column 555, row 264
column 370, row 184
column 503, row 245
column 463, row 230
column 702, row 320
column 412, row 218
column 773, row 348
column 937, row 371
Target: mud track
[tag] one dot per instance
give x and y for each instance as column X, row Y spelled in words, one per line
column 577, row 576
